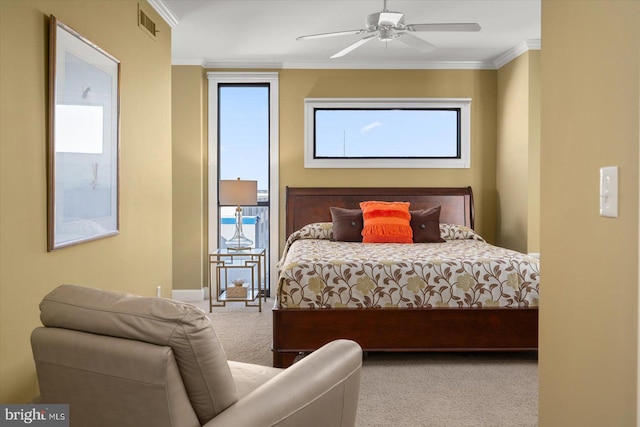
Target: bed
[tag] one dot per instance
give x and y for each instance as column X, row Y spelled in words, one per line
column 488, row 304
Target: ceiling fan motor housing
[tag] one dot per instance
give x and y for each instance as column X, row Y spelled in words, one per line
column 385, row 19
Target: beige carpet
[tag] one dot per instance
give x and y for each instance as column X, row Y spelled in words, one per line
column 410, row 389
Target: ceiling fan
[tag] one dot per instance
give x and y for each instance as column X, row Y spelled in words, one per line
column 387, row 26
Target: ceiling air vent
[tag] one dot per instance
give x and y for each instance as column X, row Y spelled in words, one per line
column 146, row 24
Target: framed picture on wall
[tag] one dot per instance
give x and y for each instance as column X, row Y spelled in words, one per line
column 83, row 145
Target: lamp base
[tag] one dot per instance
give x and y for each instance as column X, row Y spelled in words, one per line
column 239, row 242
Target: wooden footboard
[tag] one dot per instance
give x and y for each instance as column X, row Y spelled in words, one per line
column 444, row 329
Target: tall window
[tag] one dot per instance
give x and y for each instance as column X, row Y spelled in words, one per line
column 243, row 143
column 243, row 152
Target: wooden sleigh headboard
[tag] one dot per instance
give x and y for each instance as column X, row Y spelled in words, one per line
column 306, row 205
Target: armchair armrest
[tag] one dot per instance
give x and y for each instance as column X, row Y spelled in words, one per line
column 320, row 390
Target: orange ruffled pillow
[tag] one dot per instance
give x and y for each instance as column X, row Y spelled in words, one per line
column 386, row 222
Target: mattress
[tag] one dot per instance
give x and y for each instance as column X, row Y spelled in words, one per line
column 463, row 272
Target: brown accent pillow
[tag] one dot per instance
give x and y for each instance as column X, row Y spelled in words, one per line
column 425, row 224
column 347, row 224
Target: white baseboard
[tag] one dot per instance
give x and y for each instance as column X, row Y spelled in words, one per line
column 188, row 295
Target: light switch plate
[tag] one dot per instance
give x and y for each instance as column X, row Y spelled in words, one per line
column 609, row 192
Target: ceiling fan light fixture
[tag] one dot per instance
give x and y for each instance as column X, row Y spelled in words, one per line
column 386, row 34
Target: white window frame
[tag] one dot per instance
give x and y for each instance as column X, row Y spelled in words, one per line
column 464, row 104
column 216, row 78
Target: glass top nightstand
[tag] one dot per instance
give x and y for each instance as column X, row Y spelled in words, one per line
column 237, row 276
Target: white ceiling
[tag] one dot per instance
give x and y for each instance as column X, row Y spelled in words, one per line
column 262, row 33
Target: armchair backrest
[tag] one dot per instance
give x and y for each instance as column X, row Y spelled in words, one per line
column 184, row 328
column 109, row 381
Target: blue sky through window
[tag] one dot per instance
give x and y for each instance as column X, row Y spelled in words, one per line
column 244, row 133
column 387, row 133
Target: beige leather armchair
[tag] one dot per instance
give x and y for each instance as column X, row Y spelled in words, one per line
column 124, row 360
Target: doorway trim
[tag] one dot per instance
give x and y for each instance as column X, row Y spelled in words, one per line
column 271, row 78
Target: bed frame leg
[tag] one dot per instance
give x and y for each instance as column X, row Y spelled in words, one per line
column 282, row 359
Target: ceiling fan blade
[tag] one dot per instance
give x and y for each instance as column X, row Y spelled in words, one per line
column 444, row 27
column 353, row 46
column 337, row 33
column 415, row 42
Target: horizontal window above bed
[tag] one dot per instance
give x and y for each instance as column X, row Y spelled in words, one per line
column 387, row 133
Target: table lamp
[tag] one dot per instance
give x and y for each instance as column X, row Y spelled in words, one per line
column 238, row 193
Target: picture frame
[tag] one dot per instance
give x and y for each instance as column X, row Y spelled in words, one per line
column 84, row 140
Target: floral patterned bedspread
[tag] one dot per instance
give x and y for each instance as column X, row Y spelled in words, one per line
column 465, row 271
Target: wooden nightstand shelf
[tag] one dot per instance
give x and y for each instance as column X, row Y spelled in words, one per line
column 227, row 265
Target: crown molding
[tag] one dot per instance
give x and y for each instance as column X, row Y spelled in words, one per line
column 189, row 61
column 165, row 12
column 493, row 64
column 386, row 65
column 379, row 65
column 514, row 52
column 209, row 63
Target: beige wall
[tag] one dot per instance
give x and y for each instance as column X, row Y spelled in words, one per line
column 533, row 184
column 189, row 176
column 589, row 289
column 139, row 258
column 518, row 160
column 296, row 85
